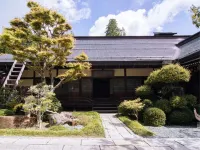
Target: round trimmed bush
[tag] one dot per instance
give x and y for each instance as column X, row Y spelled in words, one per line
column 130, row 107
column 148, row 103
column 164, row 104
column 181, row 117
column 178, row 102
column 154, row 117
column 191, row 100
column 143, row 90
column 172, row 73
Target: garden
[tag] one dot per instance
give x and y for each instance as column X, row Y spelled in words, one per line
column 162, row 101
column 42, row 41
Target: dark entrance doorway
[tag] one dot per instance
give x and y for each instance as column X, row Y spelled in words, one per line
column 101, row 88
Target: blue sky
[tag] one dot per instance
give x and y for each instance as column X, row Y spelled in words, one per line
column 90, row 17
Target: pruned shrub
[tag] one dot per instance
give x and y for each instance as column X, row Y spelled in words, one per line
column 131, row 107
column 163, row 104
column 178, row 102
column 148, row 103
column 6, row 112
column 181, row 117
column 154, row 117
column 191, row 100
column 143, row 90
column 172, row 73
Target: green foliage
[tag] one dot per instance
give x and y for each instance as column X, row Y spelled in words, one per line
column 57, row 128
column 191, row 100
column 94, row 128
column 196, row 15
column 164, row 105
column 56, row 105
column 143, row 90
column 40, row 101
column 131, row 107
column 148, row 103
column 6, row 112
column 181, row 117
column 168, row 91
column 43, row 37
column 154, row 117
column 6, row 94
column 178, row 102
column 135, row 126
column 112, row 29
column 18, row 107
column 172, row 73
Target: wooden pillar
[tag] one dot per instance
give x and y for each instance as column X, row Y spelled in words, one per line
column 125, row 81
column 57, row 72
column 34, row 82
column 80, row 87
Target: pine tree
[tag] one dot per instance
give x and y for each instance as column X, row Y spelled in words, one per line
column 112, row 29
column 196, row 16
column 42, row 38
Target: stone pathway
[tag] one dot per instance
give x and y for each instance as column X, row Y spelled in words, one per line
column 115, row 129
column 118, row 137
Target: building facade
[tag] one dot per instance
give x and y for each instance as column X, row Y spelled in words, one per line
column 119, row 65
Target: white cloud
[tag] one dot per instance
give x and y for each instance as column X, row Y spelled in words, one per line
column 142, row 22
column 73, row 10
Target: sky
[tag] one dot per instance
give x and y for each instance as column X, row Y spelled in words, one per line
column 90, row 17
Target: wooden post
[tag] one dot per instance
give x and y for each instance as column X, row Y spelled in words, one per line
column 80, row 87
column 125, row 81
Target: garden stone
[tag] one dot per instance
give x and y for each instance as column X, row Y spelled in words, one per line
column 61, row 118
column 78, row 127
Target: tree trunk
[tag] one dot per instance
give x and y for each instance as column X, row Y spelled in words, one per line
column 39, row 120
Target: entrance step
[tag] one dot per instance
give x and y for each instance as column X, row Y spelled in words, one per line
column 106, row 111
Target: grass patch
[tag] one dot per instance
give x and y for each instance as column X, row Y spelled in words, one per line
column 92, row 127
column 135, row 126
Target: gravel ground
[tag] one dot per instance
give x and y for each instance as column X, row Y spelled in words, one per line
column 175, row 132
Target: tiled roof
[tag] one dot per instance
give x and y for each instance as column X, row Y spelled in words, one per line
column 126, row 48
column 129, row 48
column 189, row 46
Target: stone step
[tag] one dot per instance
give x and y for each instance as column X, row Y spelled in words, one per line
column 106, row 111
column 106, row 108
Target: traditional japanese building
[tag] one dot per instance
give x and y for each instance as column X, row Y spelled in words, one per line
column 119, row 65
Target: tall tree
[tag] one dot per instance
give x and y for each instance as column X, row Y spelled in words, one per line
column 42, row 38
column 196, row 15
column 112, row 29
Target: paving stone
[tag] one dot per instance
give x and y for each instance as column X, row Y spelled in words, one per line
column 81, row 148
column 7, row 140
column 132, row 142
column 97, row 142
column 166, row 142
column 44, row 147
column 12, row 147
column 32, row 140
column 125, row 147
column 155, row 148
column 65, row 141
column 190, row 143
